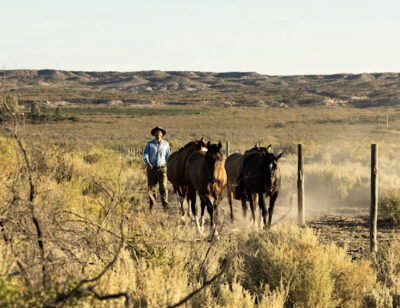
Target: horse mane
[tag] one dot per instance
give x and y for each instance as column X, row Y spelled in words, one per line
column 194, row 142
column 260, row 150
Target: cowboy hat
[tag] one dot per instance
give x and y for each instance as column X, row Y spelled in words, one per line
column 155, row 129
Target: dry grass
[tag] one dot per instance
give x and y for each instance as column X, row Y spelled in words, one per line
column 85, row 191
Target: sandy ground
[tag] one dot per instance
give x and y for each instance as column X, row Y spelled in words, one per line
column 346, row 226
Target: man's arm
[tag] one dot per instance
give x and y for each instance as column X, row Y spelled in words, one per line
column 167, row 153
column 146, row 156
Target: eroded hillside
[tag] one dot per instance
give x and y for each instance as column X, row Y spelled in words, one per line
column 202, row 88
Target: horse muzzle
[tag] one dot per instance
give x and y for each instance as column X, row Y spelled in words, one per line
column 213, row 180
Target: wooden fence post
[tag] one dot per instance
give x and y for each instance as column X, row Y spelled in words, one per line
column 300, row 187
column 227, row 149
column 373, row 229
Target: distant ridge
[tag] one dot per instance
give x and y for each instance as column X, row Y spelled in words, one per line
column 193, row 87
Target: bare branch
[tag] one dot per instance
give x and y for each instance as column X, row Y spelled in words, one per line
column 21, row 267
column 31, row 207
column 207, row 253
column 63, row 298
column 206, row 284
column 111, row 296
column 85, row 220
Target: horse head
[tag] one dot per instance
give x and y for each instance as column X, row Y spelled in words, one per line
column 271, row 170
column 213, row 160
column 201, row 144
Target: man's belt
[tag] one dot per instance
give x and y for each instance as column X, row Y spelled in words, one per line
column 161, row 167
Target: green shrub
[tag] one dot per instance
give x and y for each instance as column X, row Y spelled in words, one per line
column 378, row 298
column 91, row 187
column 315, row 275
column 92, row 158
column 387, row 267
column 64, row 170
column 143, row 247
column 235, row 295
column 8, row 107
column 58, row 113
column 9, row 293
column 160, row 286
column 389, row 206
column 35, row 111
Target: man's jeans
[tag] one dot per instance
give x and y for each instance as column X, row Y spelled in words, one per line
column 157, row 175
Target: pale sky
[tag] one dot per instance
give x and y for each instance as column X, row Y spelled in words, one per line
column 268, row 37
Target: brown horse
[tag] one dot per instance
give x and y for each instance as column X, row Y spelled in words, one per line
column 206, row 175
column 261, row 177
column 176, row 167
column 234, row 166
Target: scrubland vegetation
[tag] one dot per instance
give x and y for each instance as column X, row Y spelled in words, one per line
column 75, row 229
column 202, row 88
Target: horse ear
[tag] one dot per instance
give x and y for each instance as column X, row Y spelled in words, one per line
column 208, row 144
column 269, row 148
column 279, row 156
column 202, row 139
column 219, row 145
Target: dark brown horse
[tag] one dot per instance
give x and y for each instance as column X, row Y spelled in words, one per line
column 206, row 175
column 176, row 167
column 234, row 166
column 261, row 177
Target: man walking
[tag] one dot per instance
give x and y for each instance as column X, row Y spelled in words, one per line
column 156, row 156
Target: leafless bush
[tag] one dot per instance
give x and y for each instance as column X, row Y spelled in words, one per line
column 59, row 254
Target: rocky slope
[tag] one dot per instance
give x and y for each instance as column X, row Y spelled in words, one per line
column 186, row 87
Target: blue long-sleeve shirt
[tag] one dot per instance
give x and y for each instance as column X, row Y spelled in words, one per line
column 157, row 154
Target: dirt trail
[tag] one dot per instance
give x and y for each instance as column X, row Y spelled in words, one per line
column 347, row 227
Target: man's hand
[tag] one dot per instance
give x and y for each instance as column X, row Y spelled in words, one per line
column 149, row 166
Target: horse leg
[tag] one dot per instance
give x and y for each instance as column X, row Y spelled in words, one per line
column 210, row 210
column 271, row 208
column 205, row 203
column 180, row 199
column 230, row 201
column 192, row 197
column 190, row 213
column 216, row 204
column 244, row 207
column 185, row 196
column 180, row 204
column 203, row 207
column 261, row 204
column 250, row 197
